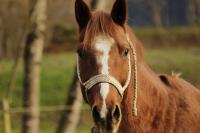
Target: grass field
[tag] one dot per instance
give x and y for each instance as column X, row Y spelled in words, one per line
column 57, row 70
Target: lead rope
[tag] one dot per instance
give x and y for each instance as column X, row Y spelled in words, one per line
column 135, row 77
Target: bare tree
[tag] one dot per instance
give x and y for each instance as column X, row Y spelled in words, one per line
column 70, row 118
column 32, row 62
column 197, row 10
column 156, row 7
column 11, row 33
column 98, row 4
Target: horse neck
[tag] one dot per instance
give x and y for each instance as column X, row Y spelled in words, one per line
column 151, row 98
column 151, row 90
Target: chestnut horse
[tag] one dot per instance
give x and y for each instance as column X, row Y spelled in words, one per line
column 124, row 94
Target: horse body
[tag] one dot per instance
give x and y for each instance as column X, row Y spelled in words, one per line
column 165, row 104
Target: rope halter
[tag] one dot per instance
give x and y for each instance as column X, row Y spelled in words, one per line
column 102, row 78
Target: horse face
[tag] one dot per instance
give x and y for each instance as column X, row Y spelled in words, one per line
column 103, row 49
column 105, row 56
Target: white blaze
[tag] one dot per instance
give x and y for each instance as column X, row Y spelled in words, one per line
column 103, row 45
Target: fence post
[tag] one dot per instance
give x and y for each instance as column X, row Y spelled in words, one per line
column 6, row 116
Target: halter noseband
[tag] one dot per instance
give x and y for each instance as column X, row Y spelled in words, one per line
column 102, row 78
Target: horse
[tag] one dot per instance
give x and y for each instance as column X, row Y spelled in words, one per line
column 125, row 95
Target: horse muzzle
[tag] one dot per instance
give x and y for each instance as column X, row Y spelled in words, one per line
column 108, row 124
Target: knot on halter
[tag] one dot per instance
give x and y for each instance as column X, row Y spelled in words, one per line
column 102, row 78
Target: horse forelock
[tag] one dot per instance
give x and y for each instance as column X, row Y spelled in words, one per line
column 100, row 23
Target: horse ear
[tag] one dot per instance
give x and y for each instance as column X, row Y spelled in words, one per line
column 82, row 13
column 119, row 12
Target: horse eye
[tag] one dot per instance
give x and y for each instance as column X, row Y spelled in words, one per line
column 125, row 52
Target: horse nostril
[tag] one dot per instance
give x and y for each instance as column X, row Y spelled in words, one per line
column 116, row 114
column 96, row 114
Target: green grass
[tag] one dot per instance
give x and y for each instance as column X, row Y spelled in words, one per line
column 57, row 71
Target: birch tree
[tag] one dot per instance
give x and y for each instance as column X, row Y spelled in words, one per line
column 70, row 118
column 197, row 11
column 98, row 4
column 32, row 61
column 156, row 7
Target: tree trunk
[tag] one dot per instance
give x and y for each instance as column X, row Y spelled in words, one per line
column 197, row 11
column 1, row 38
column 157, row 20
column 4, row 43
column 70, row 118
column 155, row 6
column 98, row 4
column 32, row 61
